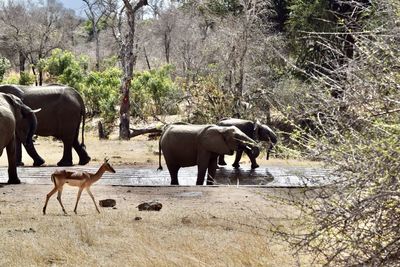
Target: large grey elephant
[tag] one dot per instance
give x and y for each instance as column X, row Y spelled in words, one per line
column 17, row 124
column 254, row 130
column 62, row 111
column 189, row 145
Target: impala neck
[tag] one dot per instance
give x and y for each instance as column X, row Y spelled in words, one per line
column 99, row 173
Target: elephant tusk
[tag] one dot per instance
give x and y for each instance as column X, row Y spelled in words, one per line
column 36, row 110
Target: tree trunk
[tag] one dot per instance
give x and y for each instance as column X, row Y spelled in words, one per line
column 124, row 111
column 96, row 37
column 22, row 60
column 40, row 77
column 128, row 60
column 167, row 43
column 147, row 58
column 34, row 73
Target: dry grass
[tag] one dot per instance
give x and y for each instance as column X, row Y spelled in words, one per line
column 224, row 226
column 219, row 226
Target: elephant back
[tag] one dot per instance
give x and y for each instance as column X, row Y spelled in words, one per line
column 12, row 89
column 61, row 107
column 246, row 126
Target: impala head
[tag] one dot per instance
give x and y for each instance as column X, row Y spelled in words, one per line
column 108, row 167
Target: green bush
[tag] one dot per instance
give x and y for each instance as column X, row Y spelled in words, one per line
column 208, row 103
column 26, row 78
column 66, row 68
column 101, row 87
column 4, row 66
column 154, row 92
column 101, row 93
column 11, row 78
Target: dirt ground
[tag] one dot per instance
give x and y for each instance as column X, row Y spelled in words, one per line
column 197, row 226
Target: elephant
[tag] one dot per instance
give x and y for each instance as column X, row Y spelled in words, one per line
column 254, row 130
column 17, row 124
column 62, row 111
column 190, row 145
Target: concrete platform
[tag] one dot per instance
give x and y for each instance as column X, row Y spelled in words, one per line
column 265, row 176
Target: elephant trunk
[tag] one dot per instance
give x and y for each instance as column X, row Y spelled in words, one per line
column 32, row 124
column 32, row 128
column 253, row 151
column 250, row 147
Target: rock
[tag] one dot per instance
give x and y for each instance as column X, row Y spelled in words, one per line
column 153, row 205
column 186, row 220
column 108, row 203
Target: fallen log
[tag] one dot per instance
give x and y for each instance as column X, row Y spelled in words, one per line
column 135, row 132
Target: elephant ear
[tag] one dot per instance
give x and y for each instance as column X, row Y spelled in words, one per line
column 216, row 139
column 13, row 90
column 16, row 102
column 13, row 100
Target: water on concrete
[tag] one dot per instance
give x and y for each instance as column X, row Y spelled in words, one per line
column 267, row 176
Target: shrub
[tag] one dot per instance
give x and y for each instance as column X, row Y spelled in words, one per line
column 101, row 95
column 154, row 92
column 11, row 78
column 26, row 78
column 66, row 68
column 4, row 66
column 207, row 102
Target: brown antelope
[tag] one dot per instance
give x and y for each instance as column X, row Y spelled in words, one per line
column 83, row 180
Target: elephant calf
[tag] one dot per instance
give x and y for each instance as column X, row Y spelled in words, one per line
column 17, row 124
column 189, row 145
column 254, row 130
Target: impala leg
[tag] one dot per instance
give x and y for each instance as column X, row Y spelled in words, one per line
column 77, row 198
column 59, row 200
column 94, row 201
column 52, row 192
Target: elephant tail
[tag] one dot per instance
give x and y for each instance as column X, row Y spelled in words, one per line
column 160, row 168
column 83, row 126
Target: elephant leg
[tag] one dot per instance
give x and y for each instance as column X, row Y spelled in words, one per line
column 201, row 172
column 173, row 172
column 81, row 151
column 254, row 164
column 12, row 163
column 221, row 160
column 212, row 168
column 67, row 154
column 18, row 151
column 238, row 156
column 37, row 160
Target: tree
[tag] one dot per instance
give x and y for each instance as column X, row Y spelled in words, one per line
column 33, row 30
column 125, row 37
column 95, row 15
column 352, row 222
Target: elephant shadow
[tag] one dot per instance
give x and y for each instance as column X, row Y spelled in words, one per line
column 232, row 176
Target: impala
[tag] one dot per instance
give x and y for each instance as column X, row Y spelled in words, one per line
column 83, row 180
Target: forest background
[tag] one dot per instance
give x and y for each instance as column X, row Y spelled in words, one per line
column 324, row 74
